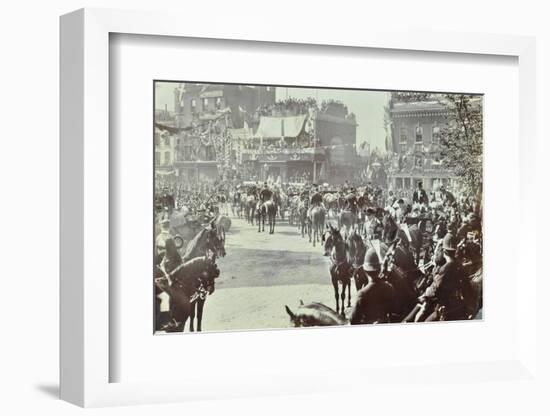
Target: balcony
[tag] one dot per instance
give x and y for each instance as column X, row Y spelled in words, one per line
column 283, row 154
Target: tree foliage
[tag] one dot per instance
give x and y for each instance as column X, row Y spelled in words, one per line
column 462, row 140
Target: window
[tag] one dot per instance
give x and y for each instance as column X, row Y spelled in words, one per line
column 418, row 148
column 418, row 134
column 218, row 103
column 407, row 184
column 436, row 134
column 403, row 147
column 166, row 158
column 403, row 135
column 204, row 103
column 418, row 162
column 399, row 183
column 193, row 105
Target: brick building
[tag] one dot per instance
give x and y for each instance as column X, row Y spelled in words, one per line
column 415, row 141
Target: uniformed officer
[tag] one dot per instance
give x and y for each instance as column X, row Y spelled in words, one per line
column 374, row 301
column 265, row 193
column 316, row 198
column 164, row 235
column 420, row 196
column 373, row 226
column 351, row 200
column 445, row 290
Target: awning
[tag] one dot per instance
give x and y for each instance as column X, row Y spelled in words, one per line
column 277, row 127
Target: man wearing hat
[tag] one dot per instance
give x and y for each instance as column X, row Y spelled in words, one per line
column 445, row 290
column 419, row 195
column 373, row 226
column 351, row 200
column 401, row 210
column 315, row 198
column 374, row 301
column 265, row 193
column 164, row 235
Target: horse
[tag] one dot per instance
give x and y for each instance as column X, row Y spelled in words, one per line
column 314, row 314
column 331, row 203
column 389, row 228
column 187, row 284
column 401, row 272
column 340, row 269
column 304, row 222
column 347, row 218
column 317, row 219
column 281, row 200
column 261, row 214
column 356, row 256
column 250, row 208
column 271, row 213
column 209, row 240
column 206, row 239
column 236, row 206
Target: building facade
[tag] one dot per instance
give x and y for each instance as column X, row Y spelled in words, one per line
column 195, row 102
column 297, row 142
column 415, row 140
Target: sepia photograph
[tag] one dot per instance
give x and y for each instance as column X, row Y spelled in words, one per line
column 286, row 206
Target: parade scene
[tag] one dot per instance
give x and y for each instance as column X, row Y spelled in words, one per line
column 279, row 207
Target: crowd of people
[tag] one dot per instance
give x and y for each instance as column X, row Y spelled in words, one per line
column 436, row 232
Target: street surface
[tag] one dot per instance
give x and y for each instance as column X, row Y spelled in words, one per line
column 262, row 273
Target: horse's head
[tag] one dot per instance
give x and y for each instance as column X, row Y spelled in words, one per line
column 356, row 248
column 209, row 272
column 216, row 239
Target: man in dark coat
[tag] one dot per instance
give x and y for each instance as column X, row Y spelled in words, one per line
column 445, row 290
column 420, row 196
column 374, row 301
column 265, row 193
column 351, row 200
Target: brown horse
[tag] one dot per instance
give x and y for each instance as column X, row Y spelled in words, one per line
column 186, row 284
column 314, row 314
column 348, row 219
column 317, row 220
column 340, row 269
column 271, row 213
column 356, row 256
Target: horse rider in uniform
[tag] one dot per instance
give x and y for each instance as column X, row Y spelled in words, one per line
column 304, row 195
column 363, row 200
column 401, row 210
column 420, row 196
column 164, row 235
column 373, row 226
column 351, row 200
column 265, row 193
column 447, row 197
column 374, row 301
column 445, row 291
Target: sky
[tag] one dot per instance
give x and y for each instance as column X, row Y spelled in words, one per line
column 368, row 107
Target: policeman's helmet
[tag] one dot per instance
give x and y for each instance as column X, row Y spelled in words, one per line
column 372, row 262
column 449, row 242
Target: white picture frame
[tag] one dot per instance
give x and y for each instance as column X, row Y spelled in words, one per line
column 85, row 164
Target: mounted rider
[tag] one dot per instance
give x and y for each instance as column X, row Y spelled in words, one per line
column 265, row 193
column 374, row 301
column 373, row 226
column 445, row 292
column 401, row 210
column 364, row 200
column 351, row 200
column 420, row 196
